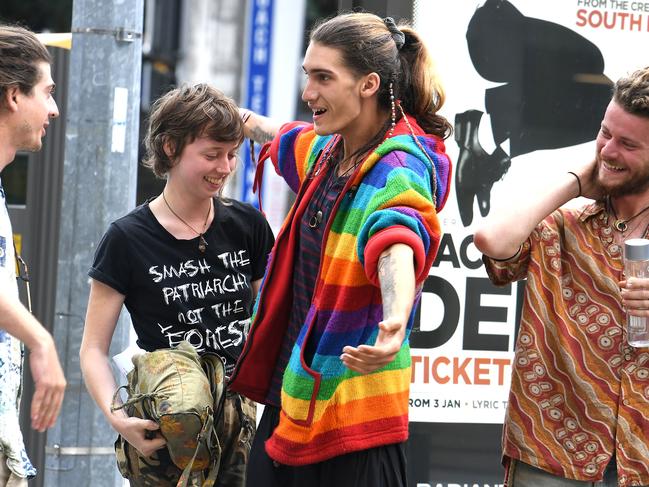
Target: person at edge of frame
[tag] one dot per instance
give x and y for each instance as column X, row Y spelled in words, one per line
column 26, row 107
column 579, row 398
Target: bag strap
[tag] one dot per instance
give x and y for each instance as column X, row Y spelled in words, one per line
column 133, row 458
column 113, row 405
column 206, row 430
column 264, row 154
column 134, row 399
column 23, row 275
column 23, row 270
column 214, row 470
column 218, row 390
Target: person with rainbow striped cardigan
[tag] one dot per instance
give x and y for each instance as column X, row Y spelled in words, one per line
column 328, row 350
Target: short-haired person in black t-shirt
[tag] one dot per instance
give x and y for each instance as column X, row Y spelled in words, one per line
column 187, row 265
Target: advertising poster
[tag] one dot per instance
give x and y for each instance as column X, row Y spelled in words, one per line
column 527, row 84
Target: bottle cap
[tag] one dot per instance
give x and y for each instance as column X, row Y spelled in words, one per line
column 636, row 249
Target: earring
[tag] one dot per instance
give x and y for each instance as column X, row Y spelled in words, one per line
column 393, row 112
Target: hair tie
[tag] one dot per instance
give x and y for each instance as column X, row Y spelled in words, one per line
column 398, row 36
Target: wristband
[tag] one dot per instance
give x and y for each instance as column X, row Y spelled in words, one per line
column 578, row 182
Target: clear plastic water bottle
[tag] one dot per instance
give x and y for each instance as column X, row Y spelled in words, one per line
column 636, row 264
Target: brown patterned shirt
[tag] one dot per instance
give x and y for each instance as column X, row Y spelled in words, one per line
column 579, row 393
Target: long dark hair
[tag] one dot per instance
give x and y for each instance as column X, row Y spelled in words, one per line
column 369, row 44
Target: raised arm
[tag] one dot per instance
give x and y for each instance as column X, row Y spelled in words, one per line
column 257, row 127
column 104, row 306
column 43, row 361
column 396, row 272
column 502, row 233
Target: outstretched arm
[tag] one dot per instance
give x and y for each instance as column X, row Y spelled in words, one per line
column 43, row 361
column 396, row 273
column 502, row 233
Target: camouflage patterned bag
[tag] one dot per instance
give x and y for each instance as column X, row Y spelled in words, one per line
column 184, row 394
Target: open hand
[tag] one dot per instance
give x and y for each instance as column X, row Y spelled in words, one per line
column 368, row 358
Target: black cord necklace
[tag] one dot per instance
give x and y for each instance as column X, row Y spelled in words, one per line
column 332, row 179
column 620, row 224
column 318, row 215
column 202, row 243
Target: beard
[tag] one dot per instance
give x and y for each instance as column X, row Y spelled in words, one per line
column 635, row 184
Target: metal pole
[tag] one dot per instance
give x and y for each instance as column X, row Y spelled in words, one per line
column 99, row 185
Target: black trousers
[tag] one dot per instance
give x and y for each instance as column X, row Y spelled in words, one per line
column 384, row 466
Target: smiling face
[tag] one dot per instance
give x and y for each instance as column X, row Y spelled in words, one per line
column 332, row 91
column 623, row 152
column 33, row 111
column 204, row 166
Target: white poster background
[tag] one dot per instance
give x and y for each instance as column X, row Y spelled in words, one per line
column 451, row 385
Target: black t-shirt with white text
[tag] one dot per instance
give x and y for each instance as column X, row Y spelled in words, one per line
column 175, row 292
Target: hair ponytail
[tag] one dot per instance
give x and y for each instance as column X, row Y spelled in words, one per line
column 419, row 90
column 369, row 44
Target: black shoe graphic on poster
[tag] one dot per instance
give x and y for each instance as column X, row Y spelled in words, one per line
column 552, row 94
column 477, row 171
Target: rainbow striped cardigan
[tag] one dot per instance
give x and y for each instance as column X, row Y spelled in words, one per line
column 327, row 409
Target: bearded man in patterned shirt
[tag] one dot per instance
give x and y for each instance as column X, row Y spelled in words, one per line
column 578, row 411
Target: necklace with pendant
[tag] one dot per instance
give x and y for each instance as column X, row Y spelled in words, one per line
column 333, row 159
column 622, row 225
column 202, row 243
